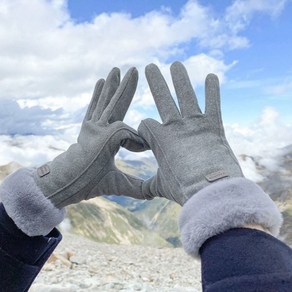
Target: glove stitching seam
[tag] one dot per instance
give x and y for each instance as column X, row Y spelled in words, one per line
column 134, row 178
column 165, row 160
column 222, row 135
column 95, row 158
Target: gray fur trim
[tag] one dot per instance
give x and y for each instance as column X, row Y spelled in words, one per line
column 27, row 206
column 226, row 204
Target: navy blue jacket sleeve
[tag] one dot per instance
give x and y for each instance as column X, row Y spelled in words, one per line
column 22, row 257
column 245, row 260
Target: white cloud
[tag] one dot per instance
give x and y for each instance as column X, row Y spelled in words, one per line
column 269, row 118
column 256, row 146
column 207, row 65
column 30, row 150
column 49, row 64
column 44, row 54
column 134, row 117
column 239, row 14
column 249, row 169
column 264, row 140
column 28, row 120
column 282, row 88
column 124, row 154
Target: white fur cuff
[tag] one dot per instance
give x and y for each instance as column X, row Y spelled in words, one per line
column 226, row 204
column 27, row 206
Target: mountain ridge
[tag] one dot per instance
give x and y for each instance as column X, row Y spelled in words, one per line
column 139, row 222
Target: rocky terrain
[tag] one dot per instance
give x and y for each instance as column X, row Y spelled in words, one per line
column 79, row 264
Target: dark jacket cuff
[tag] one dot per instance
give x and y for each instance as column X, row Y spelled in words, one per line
column 21, row 255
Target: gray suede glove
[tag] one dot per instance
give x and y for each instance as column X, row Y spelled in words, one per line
column 34, row 198
column 197, row 167
column 88, row 168
column 190, row 147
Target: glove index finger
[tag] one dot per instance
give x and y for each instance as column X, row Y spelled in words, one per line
column 120, row 102
column 94, row 100
column 164, row 102
column 109, row 89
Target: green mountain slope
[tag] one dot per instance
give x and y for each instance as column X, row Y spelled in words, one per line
column 105, row 221
column 161, row 215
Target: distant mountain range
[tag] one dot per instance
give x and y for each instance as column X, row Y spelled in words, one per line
column 161, row 215
column 105, row 221
column 278, row 184
column 119, row 219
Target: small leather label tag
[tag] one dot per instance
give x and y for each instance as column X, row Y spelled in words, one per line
column 216, row 175
column 43, row 170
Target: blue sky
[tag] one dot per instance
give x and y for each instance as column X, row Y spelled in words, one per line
column 81, row 12
column 53, row 51
column 265, row 63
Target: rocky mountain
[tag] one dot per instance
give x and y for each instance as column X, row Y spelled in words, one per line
column 79, row 264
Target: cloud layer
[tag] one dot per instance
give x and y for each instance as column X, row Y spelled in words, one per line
column 263, row 140
column 49, row 65
column 43, row 53
column 28, row 120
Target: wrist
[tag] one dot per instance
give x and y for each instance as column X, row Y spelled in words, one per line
column 257, row 227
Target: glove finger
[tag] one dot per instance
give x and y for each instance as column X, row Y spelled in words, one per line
column 186, row 96
column 120, row 102
column 94, row 100
column 164, row 102
column 109, row 89
column 131, row 140
column 117, row 182
column 212, row 93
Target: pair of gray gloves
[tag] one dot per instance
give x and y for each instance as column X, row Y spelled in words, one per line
column 197, row 168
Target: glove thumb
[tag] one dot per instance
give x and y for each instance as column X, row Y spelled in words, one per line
column 117, row 182
column 150, row 187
